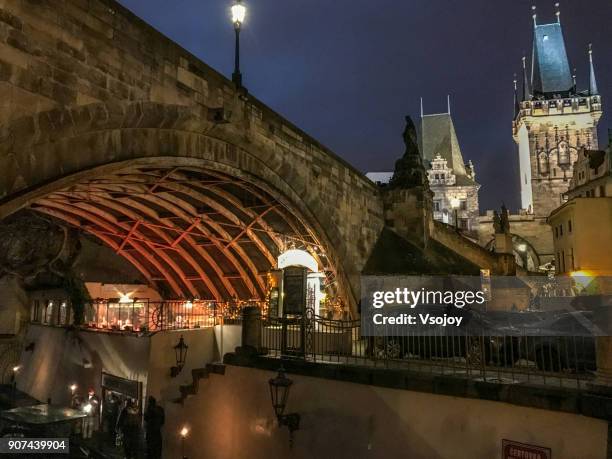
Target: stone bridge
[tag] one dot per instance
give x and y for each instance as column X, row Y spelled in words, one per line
column 111, row 127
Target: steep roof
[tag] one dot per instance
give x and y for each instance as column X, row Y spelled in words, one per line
column 438, row 137
column 551, row 69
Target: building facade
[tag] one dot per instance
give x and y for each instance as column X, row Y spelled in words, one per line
column 552, row 121
column 577, row 229
column 581, row 231
column 592, row 175
column 451, row 179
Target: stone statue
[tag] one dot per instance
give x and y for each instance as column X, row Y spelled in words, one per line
column 409, row 170
column 504, row 221
column 497, row 223
column 410, row 138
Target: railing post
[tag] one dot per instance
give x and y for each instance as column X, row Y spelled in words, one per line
column 251, row 329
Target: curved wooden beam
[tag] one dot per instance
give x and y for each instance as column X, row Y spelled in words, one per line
column 149, row 213
column 104, row 238
column 109, row 224
column 187, row 212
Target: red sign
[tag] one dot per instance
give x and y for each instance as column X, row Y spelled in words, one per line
column 515, row 450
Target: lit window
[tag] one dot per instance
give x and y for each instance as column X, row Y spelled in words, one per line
column 545, row 38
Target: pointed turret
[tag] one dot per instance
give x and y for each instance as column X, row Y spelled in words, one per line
column 592, row 81
column 516, row 101
column 550, row 71
column 526, row 89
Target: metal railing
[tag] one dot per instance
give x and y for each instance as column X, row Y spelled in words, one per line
column 141, row 315
column 565, row 361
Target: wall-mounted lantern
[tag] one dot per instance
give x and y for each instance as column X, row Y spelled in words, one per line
column 279, row 392
column 180, row 351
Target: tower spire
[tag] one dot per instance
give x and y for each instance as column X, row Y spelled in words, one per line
column 421, row 108
column 526, row 91
column 592, row 80
column 516, row 102
column 534, row 15
column 448, row 103
column 558, row 12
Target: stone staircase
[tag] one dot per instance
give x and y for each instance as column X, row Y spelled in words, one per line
column 196, row 375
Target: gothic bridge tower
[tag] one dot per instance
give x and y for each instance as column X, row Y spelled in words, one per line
column 552, row 120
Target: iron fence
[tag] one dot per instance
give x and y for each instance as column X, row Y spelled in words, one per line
column 566, row 361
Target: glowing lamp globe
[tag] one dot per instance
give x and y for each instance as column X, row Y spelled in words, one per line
column 238, row 12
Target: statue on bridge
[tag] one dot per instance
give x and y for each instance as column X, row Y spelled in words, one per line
column 409, row 170
column 501, row 222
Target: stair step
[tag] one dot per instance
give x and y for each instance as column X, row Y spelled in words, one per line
column 196, row 374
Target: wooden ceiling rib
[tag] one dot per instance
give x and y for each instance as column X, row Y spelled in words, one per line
column 196, row 233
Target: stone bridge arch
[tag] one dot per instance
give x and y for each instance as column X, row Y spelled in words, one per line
column 199, row 206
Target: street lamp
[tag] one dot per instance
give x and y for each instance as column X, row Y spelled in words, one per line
column 180, row 351
column 16, row 369
column 184, row 433
column 238, row 15
column 455, row 203
column 279, row 392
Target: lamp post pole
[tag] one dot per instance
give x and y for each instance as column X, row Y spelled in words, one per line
column 237, row 76
column 184, row 432
column 238, row 15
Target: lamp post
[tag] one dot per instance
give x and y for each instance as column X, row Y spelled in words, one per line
column 238, row 15
column 455, row 203
column 184, row 433
column 279, row 392
column 16, row 369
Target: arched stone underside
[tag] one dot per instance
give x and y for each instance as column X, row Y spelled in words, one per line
column 200, row 207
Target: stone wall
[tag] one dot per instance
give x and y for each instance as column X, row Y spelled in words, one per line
column 498, row 263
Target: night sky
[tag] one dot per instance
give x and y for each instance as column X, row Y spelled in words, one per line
column 348, row 71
